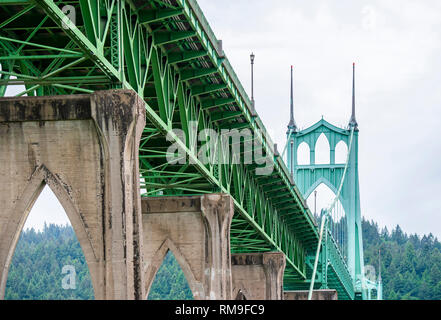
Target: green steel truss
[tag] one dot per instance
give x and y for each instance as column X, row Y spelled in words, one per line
column 167, row 53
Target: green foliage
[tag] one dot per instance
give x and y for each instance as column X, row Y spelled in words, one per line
column 410, row 265
column 170, row 282
column 36, row 269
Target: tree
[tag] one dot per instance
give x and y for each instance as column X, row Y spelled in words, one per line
column 411, row 266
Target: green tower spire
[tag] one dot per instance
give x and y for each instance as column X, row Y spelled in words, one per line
column 292, row 124
column 353, row 120
column 309, row 176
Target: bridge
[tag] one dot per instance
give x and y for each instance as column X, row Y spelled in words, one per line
column 109, row 82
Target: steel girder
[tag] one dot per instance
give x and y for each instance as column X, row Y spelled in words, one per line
column 167, row 53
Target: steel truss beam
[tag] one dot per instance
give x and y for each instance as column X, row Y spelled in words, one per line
column 171, row 58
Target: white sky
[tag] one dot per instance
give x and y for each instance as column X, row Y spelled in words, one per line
column 397, row 48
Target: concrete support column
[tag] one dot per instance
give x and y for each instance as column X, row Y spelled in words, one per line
column 197, row 231
column 258, row 276
column 85, row 148
column 120, row 118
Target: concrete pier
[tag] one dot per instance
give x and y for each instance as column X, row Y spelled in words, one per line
column 197, row 231
column 258, row 276
column 85, row 148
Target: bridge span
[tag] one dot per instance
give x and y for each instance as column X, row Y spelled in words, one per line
column 111, row 82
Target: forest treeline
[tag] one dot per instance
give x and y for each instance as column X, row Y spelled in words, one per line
column 36, row 271
column 410, row 266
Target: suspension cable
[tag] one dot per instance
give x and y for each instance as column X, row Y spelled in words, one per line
column 290, row 132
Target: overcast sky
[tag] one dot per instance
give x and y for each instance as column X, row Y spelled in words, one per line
column 397, row 48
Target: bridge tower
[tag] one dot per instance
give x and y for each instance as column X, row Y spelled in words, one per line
column 309, row 176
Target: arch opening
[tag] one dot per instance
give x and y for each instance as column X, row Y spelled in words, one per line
column 303, row 154
column 322, row 150
column 321, row 198
column 48, row 262
column 341, row 152
column 170, row 282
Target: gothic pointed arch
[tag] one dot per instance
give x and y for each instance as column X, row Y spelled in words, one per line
column 322, row 150
column 303, row 154
column 17, row 217
column 341, row 152
column 157, row 260
column 321, row 180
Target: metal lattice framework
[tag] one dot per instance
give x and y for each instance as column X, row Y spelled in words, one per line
column 166, row 52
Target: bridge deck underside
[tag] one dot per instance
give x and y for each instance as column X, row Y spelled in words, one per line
column 167, row 53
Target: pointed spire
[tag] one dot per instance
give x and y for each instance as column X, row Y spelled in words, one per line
column 353, row 121
column 379, row 265
column 292, row 124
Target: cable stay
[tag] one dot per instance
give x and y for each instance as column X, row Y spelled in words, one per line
column 290, row 132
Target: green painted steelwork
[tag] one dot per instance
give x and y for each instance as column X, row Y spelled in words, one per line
column 167, row 53
column 341, row 262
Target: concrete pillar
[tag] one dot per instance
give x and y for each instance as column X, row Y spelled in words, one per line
column 85, row 148
column 197, row 231
column 258, row 276
column 316, row 295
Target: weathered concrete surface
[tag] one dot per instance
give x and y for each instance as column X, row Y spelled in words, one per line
column 258, row 276
column 316, row 295
column 85, row 148
column 197, row 231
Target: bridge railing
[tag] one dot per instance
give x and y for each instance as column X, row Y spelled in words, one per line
column 337, row 227
column 218, row 47
column 335, row 262
column 230, row 70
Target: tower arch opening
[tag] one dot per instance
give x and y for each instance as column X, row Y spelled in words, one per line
column 303, row 154
column 341, row 152
column 322, row 150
